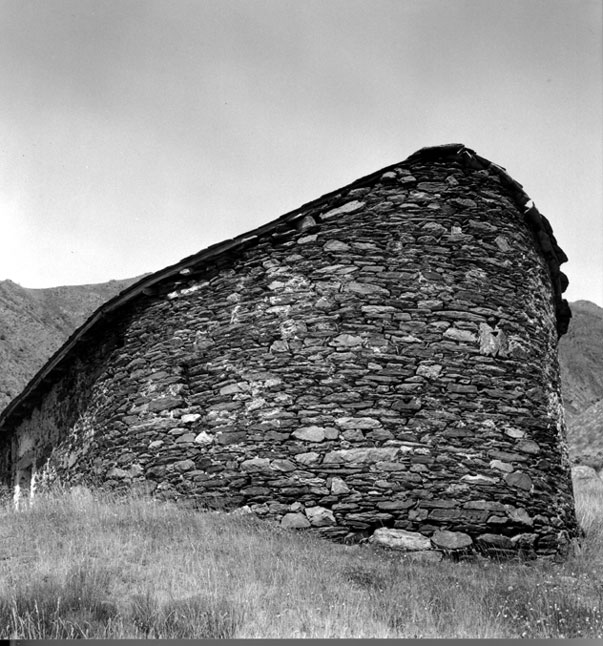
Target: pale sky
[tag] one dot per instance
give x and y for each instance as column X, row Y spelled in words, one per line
column 134, row 133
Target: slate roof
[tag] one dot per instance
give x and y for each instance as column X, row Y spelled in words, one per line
column 280, row 229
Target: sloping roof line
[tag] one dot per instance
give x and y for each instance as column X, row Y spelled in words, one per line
column 555, row 256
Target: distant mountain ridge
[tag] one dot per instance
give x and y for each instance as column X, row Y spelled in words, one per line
column 34, row 323
column 581, row 358
column 581, row 363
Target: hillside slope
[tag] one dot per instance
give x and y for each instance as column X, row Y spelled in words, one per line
column 586, row 435
column 34, row 323
column 581, row 359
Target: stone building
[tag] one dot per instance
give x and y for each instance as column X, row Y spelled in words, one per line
column 382, row 358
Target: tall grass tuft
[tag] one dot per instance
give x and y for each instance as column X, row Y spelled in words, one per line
column 96, row 566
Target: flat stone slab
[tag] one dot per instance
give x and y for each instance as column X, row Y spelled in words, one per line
column 294, row 521
column 400, row 539
column 320, row 516
column 445, row 539
column 360, row 456
column 582, row 472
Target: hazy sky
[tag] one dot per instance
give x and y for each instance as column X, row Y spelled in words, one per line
column 134, row 133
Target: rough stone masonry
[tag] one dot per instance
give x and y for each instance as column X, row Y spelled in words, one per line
column 380, row 362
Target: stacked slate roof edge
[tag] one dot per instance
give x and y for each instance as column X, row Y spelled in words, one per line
column 281, row 228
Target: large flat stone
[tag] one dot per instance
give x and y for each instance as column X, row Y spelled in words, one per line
column 582, row 472
column 165, row 403
column 519, row 479
column 349, row 207
column 294, row 521
column 361, row 456
column 255, row 464
column 400, row 539
column 366, row 288
column 445, row 539
column 310, row 433
column 320, row 516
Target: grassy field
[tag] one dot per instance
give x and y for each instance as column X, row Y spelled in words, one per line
column 76, row 567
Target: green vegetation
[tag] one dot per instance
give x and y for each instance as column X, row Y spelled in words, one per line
column 76, row 565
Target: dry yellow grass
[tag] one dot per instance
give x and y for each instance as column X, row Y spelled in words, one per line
column 74, row 566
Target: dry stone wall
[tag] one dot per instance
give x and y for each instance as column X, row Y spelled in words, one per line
column 384, row 360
